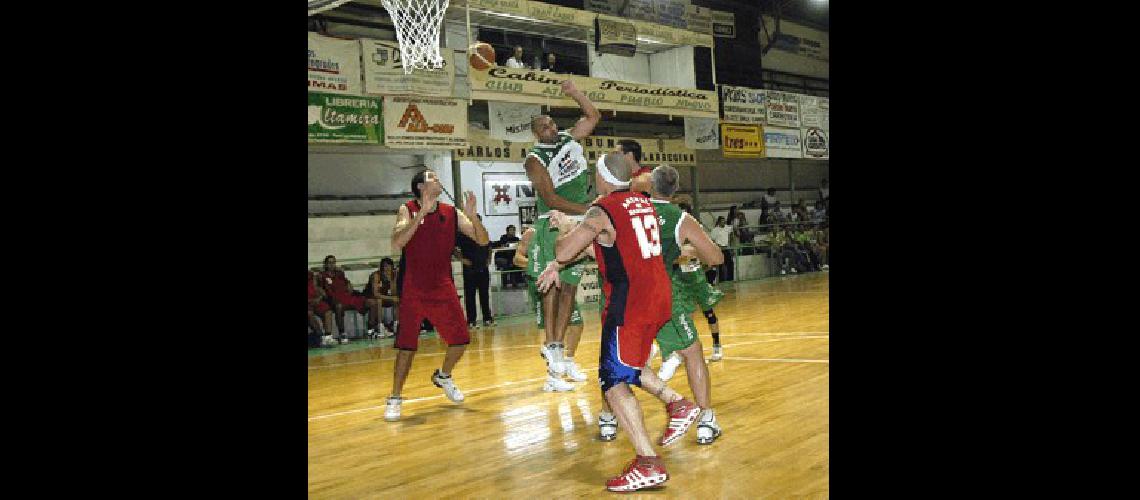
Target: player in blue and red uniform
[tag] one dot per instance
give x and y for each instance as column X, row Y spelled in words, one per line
column 622, row 225
column 425, row 234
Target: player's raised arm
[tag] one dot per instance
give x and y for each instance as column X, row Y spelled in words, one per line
column 469, row 223
column 591, row 115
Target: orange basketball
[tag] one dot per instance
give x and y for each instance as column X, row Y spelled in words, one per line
column 481, row 56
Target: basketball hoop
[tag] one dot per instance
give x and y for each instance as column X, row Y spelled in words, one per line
column 417, row 29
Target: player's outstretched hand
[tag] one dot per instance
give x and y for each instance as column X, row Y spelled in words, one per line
column 549, row 277
column 557, row 218
column 469, row 202
column 568, row 87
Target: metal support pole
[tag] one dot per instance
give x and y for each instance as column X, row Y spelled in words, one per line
column 712, row 52
column 792, row 180
column 694, row 179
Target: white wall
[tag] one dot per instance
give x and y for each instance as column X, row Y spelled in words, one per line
column 471, row 176
column 628, row 69
column 788, row 62
column 673, row 67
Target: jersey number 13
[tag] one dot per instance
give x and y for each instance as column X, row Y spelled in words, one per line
column 648, row 236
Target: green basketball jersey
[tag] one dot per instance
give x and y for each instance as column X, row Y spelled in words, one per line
column 669, row 223
column 566, row 164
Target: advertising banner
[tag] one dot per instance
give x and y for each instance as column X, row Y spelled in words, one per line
column 384, row 72
column 345, row 119
column 334, row 65
column 424, row 122
column 742, row 141
column 744, row 105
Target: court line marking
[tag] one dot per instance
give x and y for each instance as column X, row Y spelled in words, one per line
column 438, row 396
column 531, row 346
column 593, row 369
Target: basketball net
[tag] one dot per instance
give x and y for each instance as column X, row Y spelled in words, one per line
column 417, row 29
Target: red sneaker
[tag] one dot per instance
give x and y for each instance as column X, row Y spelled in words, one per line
column 682, row 414
column 642, row 472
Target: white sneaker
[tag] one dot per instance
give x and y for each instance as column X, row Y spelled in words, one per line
column 328, row 341
column 825, row 267
column 544, row 352
column 554, row 362
column 707, row 428
column 556, row 384
column 783, row 271
column 669, row 367
column 453, row 393
column 718, row 353
column 573, row 372
column 343, row 341
column 607, row 429
column 794, row 270
column 392, row 412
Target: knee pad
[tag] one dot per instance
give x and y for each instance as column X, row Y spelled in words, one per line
column 710, row 315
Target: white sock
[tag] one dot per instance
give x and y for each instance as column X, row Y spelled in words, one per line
column 707, row 415
column 605, row 415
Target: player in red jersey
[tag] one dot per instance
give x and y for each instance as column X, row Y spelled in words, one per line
column 318, row 306
column 641, row 182
column 622, row 225
column 339, row 289
column 425, row 234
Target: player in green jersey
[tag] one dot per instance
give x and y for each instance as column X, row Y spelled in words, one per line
column 556, row 167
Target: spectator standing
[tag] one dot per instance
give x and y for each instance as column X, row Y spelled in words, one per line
column 720, row 235
column 821, row 247
column 744, row 235
column 476, row 277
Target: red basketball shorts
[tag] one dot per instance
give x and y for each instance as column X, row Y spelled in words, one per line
column 445, row 315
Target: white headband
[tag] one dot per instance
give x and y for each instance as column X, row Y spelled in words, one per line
column 609, row 176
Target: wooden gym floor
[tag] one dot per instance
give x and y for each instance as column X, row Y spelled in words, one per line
column 511, row 440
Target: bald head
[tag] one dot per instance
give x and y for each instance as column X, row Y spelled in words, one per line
column 619, row 167
column 544, row 128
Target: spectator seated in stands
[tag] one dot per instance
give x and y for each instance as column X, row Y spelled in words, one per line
column 744, row 235
column 504, row 260
column 318, row 309
column 805, row 239
column 778, row 248
column 550, row 60
column 342, row 296
column 820, row 213
column 777, row 216
column 802, row 262
column 516, row 60
column 380, row 293
column 801, row 210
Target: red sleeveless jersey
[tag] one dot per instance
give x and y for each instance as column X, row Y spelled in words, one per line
column 638, row 291
column 425, row 264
